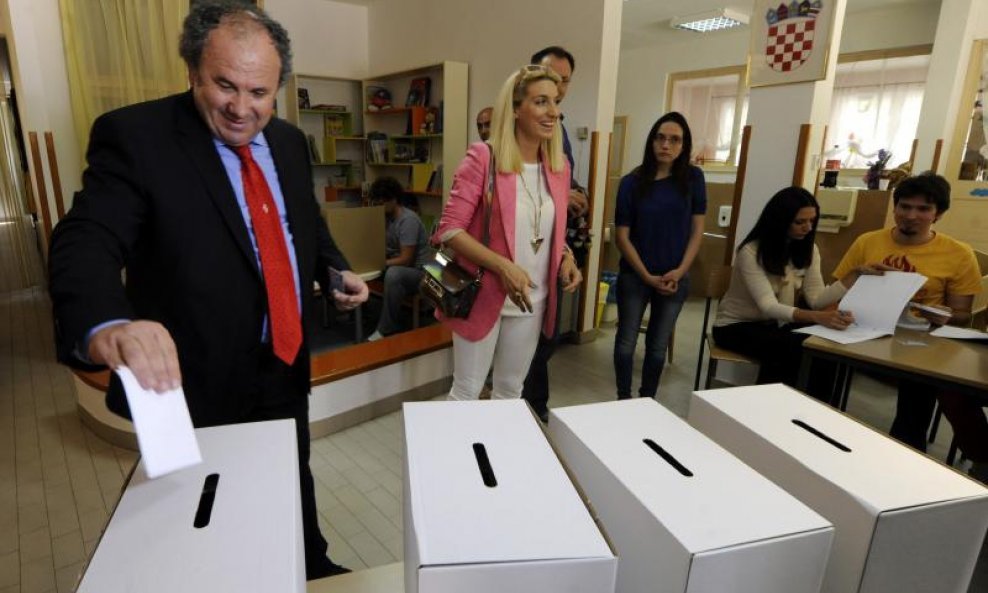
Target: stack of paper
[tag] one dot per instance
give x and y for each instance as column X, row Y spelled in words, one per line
column 959, row 333
column 876, row 302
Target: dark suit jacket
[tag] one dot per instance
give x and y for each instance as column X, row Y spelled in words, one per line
column 157, row 202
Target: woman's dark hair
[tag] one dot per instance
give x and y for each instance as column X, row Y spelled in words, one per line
column 680, row 173
column 775, row 248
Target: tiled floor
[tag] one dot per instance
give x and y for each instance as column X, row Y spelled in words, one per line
column 59, row 482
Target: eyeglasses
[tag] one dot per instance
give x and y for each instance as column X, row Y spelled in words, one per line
column 670, row 140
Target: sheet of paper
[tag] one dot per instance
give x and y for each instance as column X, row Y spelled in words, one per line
column 876, row 302
column 164, row 429
column 851, row 335
column 959, row 333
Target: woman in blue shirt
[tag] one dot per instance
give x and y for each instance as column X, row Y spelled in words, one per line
column 659, row 225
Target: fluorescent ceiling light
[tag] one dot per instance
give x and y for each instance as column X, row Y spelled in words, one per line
column 711, row 20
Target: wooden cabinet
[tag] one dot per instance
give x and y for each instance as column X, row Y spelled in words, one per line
column 416, row 123
column 327, row 110
column 411, row 125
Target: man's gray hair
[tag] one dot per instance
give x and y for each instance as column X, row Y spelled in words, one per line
column 206, row 15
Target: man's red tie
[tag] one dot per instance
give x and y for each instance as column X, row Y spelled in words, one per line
column 276, row 267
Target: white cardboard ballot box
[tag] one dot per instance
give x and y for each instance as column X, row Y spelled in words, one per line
column 903, row 522
column 684, row 515
column 488, row 508
column 249, row 537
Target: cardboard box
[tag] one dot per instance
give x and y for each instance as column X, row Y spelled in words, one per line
column 380, row 579
column 904, row 522
column 513, row 523
column 253, row 538
column 684, row 515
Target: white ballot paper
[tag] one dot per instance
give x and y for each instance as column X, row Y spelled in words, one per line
column 876, row 302
column 959, row 333
column 164, row 428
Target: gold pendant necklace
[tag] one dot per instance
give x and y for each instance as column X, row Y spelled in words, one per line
column 537, row 238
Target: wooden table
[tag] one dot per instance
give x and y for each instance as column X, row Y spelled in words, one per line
column 943, row 363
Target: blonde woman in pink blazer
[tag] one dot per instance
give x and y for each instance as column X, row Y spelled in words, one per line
column 526, row 259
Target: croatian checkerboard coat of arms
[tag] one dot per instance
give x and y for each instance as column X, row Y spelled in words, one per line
column 791, row 30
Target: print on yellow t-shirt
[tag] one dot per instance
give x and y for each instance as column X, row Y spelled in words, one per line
column 949, row 265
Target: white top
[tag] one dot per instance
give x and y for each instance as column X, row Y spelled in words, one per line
column 756, row 295
column 535, row 263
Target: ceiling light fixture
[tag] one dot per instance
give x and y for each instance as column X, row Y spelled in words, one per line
column 711, row 20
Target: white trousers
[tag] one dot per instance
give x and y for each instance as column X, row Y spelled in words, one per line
column 510, row 345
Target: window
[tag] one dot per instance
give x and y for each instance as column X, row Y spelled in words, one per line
column 875, row 105
column 715, row 103
column 974, row 158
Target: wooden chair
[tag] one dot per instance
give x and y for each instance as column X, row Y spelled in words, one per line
column 717, row 282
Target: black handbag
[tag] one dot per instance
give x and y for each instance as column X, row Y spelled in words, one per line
column 445, row 283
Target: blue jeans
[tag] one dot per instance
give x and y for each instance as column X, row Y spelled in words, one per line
column 633, row 295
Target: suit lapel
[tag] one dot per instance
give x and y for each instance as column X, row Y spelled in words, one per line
column 204, row 157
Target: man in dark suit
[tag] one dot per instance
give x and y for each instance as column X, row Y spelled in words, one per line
column 536, row 389
column 205, row 201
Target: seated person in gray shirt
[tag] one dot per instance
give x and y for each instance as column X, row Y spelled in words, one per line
column 406, row 250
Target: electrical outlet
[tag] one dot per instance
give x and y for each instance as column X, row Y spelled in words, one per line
column 724, row 216
column 582, row 133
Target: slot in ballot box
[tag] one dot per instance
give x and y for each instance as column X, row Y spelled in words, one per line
column 488, row 508
column 240, row 532
column 903, row 522
column 684, row 515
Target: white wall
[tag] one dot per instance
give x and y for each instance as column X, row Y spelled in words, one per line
column 34, row 35
column 643, row 72
column 328, row 38
column 494, row 38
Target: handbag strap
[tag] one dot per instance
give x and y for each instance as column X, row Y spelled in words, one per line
column 489, row 193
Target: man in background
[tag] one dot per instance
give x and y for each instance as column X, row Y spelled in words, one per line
column 484, row 123
column 536, row 389
column 953, row 279
column 406, row 249
column 205, row 200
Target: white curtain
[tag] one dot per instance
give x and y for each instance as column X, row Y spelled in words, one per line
column 865, row 119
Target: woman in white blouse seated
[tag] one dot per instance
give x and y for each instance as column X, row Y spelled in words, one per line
column 776, row 287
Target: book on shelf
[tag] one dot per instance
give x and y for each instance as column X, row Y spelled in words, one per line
column 335, row 125
column 403, row 151
column 435, row 184
column 418, row 92
column 421, row 152
column 314, row 155
column 377, row 147
column 329, row 107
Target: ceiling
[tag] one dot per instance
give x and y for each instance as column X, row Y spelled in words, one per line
column 646, row 22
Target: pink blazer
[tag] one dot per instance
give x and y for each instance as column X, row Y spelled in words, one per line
column 464, row 210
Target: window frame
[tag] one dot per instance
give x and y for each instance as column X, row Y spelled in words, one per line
column 744, row 88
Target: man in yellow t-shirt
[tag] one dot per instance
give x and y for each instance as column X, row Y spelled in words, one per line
column 953, row 280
